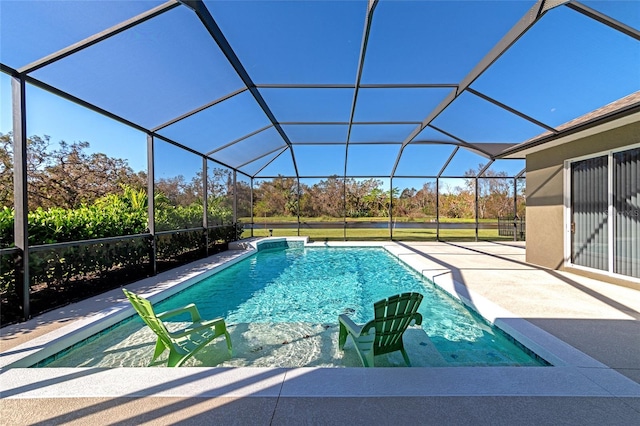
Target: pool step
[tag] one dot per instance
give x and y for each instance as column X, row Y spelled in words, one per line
column 421, row 350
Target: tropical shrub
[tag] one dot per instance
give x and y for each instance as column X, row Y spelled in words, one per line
column 6, row 227
column 114, row 215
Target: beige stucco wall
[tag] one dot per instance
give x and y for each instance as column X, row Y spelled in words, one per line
column 544, row 191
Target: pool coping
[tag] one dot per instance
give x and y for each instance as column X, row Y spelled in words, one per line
column 573, row 373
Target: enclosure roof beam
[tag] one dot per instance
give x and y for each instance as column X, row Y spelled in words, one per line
column 352, row 86
column 262, row 156
column 97, row 38
column 8, row 70
column 199, row 109
column 374, row 177
column 371, row 6
column 466, row 145
column 485, row 168
column 434, row 142
column 446, row 163
column 344, row 123
column 512, row 110
column 570, row 130
column 517, row 31
column 193, row 151
column 343, row 143
column 604, row 19
column 44, row 86
column 267, row 165
column 216, row 33
column 409, row 86
column 462, row 142
column 303, row 86
column 240, row 139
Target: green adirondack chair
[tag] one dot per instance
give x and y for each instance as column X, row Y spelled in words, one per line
column 184, row 343
column 383, row 334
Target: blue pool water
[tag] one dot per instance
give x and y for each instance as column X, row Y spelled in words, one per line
column 311, row 286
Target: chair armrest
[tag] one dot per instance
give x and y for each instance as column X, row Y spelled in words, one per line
column 191, row 308
column 349, row 325
column 217, row 323
column 418, row 318
column 353, row 328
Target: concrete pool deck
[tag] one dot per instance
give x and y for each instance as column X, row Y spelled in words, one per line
column 589, row 329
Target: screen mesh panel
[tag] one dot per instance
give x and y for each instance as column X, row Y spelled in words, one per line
column 161, row 68
column 309, row 105
column 434, row 41
column 505, row 168
column 474, row 119
column 321, row 161
column 251, row 148
column 294, row 42
column 465, row 161
column 380, row 160
column 362, row 133
column 281, row 164
column 563, row 68
column 397, row 104
column 74, row 21
column 626, row 12
column 219, row 124
column 316, row 133
column 423, row 159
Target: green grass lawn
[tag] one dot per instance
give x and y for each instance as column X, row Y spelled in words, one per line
column 294, row 219
column 382, row 234
column 261, row 229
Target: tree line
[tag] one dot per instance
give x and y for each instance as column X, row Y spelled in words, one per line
column 66, row 176
column 335, row 197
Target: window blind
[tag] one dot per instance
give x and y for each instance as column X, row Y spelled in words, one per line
column 626, row 205
column 589, row 225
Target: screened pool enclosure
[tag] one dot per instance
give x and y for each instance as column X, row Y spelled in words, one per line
column 334, row 119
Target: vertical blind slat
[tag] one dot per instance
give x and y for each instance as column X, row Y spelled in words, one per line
column 600, row 225
column 620, row 223
column 634, row 218
column 627, row 212
column 604, row 203
column 625, row 229
column 593, row 213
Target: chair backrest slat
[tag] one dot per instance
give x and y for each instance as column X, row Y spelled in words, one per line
column 146, row 312
column 393, row 316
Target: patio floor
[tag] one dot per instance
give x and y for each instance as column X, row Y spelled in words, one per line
column 600, row 385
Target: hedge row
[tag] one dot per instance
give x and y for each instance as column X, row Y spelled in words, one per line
column 112, row 216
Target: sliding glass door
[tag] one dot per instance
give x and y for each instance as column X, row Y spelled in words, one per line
column 589, row 213
column 605, row 212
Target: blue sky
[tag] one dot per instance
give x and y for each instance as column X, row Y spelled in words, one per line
column 567, row 65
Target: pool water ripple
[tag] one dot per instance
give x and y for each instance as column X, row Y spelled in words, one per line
column 282, row 306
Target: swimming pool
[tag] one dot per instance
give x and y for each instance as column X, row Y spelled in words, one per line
column 282, row 304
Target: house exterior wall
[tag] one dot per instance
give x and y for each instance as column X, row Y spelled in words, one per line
column 545, row 191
